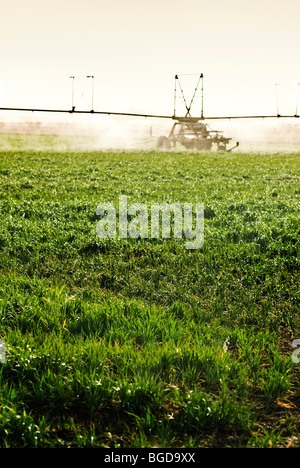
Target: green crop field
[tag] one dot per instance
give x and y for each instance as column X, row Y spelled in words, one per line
column 142, row 342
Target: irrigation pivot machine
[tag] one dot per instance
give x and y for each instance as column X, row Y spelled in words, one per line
column 192, row 132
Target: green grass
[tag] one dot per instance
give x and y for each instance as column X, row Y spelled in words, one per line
column 143, row 343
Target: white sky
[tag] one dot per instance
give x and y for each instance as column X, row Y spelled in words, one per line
column 134, row 49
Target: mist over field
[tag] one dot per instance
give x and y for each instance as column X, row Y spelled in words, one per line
column 105, row 132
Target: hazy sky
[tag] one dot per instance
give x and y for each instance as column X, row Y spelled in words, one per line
column 135, row 47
